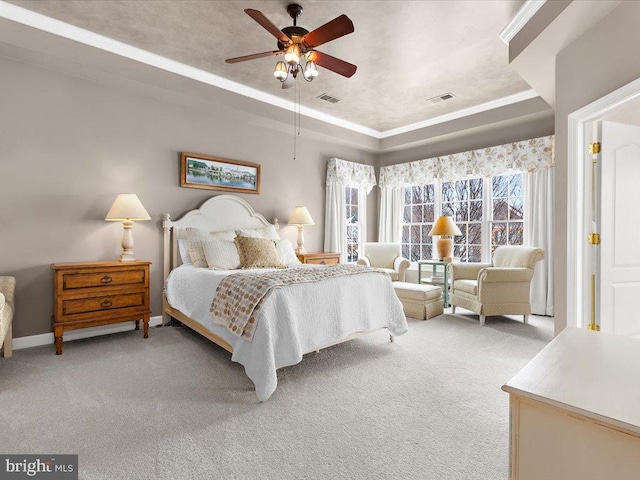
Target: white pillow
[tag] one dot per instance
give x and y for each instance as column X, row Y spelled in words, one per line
column 264, row 232
column 221, row 254
column 183, row 248
column 197, row 237
column 287, row 253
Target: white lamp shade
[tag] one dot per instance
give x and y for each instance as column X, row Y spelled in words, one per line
column 445, row 226
column 300, row 216
column 127, row 207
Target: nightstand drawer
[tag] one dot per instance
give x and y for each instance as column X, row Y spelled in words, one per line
column 323, row 261
column 102, row 303
column 108, row 278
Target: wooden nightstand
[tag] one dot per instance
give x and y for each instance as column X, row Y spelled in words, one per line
column 88, row 294
column 319, row 258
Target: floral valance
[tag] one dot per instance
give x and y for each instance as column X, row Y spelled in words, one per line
column 351, row 174
column 525, row 156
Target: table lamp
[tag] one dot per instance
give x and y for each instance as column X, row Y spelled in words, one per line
column 300, row 217
column 445, row 228
column 127, row 209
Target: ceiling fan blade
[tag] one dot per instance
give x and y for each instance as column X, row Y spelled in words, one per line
column 253, row 57
column 334, row 64
column 289, row 82
column 336, row 28
column 267, row 25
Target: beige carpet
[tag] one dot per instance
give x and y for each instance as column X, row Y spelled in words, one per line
column 428, row 406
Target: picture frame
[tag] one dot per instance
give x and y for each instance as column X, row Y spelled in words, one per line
column 213, row 173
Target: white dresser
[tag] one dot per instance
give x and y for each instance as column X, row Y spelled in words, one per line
column 575, row 410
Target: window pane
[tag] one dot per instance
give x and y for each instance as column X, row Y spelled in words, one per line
column 447, row 209
column 475, row 233
column 430, row 193
column 417, row 195
column 416, row 215
column 461, row 238
column 500, row 209
column 425, row 233
column 460, row 251
column 429, row 213
column 354, row 214
column 415, row 233
column 515, row 233
column 499, row 234
column 405, row 250
column 447, row 192
column 475, row 254
column 475, row 211
column 515, row 208
column 461, row 190
column 515, row 185
column 407, row 195
column 426, row 252
column 475, row 188
column 406, row 233
column 462, row 212
column 500, row 183
column 415, row 253
column 354, row 196
column 407, row 214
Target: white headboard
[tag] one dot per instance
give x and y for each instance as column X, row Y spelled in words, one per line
column 222, row 212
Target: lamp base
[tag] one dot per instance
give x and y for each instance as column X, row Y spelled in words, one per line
column 444, row 247
column 127, row 242
column 300, row 250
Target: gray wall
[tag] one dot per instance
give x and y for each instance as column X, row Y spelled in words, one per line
column 68, row 145
column 604, row 59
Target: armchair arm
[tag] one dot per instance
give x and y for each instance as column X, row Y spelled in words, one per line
column 364, row 261
column 7, row 287
column 505, row 275
column 466, row 271
column 400, row 264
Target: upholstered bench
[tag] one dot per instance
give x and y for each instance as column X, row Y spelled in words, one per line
column 419, row 301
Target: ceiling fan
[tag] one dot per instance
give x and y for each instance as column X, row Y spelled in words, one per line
column 296, row 42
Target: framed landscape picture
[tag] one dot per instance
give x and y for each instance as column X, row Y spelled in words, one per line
column 199, row 171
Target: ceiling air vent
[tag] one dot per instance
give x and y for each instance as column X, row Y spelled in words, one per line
column 441, row 98
column 328, row 98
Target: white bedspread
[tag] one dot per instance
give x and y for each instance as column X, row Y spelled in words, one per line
column 293, row 320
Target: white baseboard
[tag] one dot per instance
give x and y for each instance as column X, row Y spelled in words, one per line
column 48, row 338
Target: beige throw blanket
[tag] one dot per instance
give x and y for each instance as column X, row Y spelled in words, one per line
column 239, row 296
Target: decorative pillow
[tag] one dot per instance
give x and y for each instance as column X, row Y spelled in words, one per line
column 258, row 253
column 183, row 248
column 287, row 253
column 264, row 232
column 197, row 237
column 221, row 254
column 1, row 304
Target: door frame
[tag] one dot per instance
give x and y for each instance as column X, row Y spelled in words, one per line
column 578, row 160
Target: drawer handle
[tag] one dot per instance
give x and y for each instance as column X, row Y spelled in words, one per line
column 106, row 279
column 106, row 303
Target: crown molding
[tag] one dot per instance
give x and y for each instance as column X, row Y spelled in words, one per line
column 526, row 12
column 56, row 27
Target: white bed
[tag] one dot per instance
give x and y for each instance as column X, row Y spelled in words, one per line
column 293, row 320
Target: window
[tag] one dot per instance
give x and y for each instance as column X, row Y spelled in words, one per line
column 507, row 225
column 488, row 211
column 462, row 200
column 353, row 223
column 419, row 215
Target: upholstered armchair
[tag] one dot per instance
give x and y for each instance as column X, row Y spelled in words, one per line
column 7, row 288
column 387, row 257
column 498, row 288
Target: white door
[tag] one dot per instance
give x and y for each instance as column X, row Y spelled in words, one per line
column 620, row 229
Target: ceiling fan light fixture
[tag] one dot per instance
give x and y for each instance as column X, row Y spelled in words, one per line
column 310, row 71
column 292, row 54
column 281, row 71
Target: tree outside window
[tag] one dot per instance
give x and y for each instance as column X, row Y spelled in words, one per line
column 507, row 226
column 353, row 223
column 419, row 215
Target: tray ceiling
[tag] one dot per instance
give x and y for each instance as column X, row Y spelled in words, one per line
column 406, row 51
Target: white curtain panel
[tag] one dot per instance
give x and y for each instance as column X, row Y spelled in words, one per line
column 391, row 211
column 538, row 232
column 335, row 228
column 362, row 218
